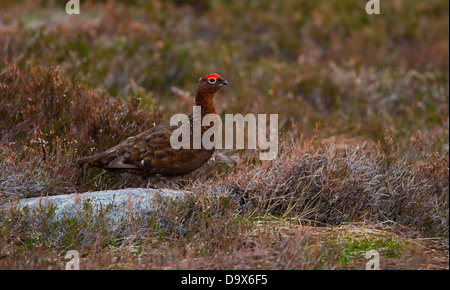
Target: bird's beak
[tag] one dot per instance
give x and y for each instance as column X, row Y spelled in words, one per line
column 224, row 82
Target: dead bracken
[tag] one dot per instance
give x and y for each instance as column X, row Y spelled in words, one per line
column 362, row 162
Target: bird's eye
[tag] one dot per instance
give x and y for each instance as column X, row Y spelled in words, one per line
column 212, row 80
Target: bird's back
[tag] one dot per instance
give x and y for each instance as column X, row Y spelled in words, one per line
column 150, row 153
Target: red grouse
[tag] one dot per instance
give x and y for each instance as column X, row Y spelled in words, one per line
column 150, row 152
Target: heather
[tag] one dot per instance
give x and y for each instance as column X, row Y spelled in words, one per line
column 363, row 116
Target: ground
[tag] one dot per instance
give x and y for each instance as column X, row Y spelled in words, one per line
column 363, row 114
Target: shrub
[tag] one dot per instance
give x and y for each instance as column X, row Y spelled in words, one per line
column 46, row 121
column 326, row 186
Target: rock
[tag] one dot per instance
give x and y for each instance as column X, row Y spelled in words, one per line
column 141, row 200
column 113, row 211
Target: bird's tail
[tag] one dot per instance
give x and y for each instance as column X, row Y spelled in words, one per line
column 83, row 161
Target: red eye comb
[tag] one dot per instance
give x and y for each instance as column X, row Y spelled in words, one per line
column 214, row 76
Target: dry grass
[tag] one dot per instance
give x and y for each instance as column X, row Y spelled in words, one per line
column 326, row 62
column 363, row 110
column 47, row 121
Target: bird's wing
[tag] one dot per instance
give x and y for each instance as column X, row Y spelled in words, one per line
column 137, row 152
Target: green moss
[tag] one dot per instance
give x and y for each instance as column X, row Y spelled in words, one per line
column 352, row 248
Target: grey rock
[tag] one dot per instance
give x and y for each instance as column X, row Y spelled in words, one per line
column 139, row 200
column 115, row 211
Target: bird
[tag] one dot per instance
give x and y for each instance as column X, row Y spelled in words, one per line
column 150, row 152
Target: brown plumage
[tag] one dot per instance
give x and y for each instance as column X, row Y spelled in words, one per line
column 150, row 153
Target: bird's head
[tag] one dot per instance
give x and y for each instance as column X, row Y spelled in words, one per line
column 211, row 83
